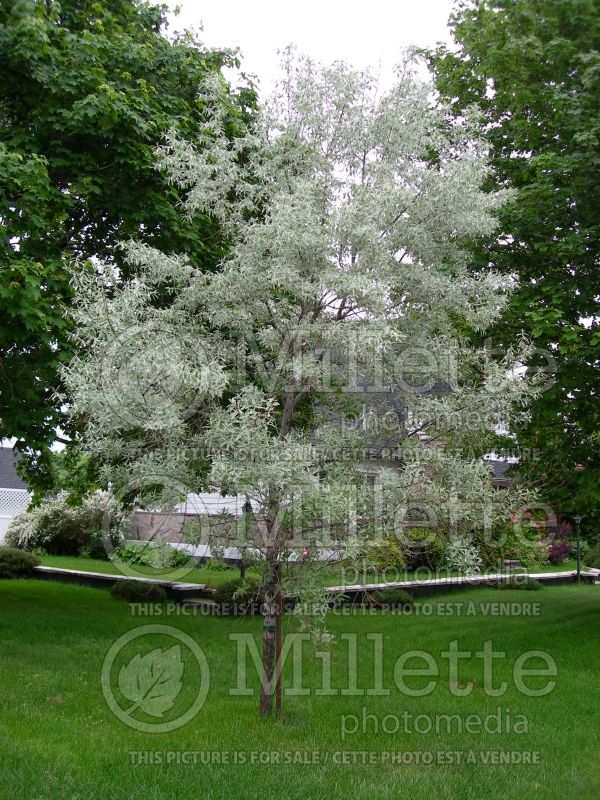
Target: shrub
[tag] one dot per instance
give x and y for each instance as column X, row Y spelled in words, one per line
column 564, row 529
column 159, row 555
column 520, row 582
column 426, row 548
column 491, row 546
column 559, row 550
column 216, row 565
column 592, row 557
column 138, row 592
column 530, row 552
column 510, row 541
column 238, row 596
column 16, row 563
column 385, row 555
column 392, row 598
column 462, row 556
column 63, row 529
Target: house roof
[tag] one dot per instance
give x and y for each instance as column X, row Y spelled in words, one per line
column 499, row 470
column 8, row 474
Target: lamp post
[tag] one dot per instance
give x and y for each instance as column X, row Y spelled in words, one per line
column 577, row 518
column 246, row 510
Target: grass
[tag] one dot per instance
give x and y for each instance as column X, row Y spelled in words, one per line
column 206, row 575
column 59, row 740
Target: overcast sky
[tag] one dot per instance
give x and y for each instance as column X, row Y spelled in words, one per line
column 367, row 33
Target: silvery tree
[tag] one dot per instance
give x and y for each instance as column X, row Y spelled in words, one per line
column 344, row 295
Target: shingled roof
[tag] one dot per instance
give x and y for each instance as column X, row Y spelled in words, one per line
column 499, row 471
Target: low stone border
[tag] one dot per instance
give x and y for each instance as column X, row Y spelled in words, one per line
column 101, row 580
column 432, row 586
column 352, row 594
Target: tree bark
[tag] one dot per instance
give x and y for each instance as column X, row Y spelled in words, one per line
column 278, row 664
column 270, row 621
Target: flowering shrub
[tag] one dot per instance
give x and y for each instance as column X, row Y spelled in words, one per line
column 565, row 529
column 63, row 529
column 559, row 550
column 530, row 552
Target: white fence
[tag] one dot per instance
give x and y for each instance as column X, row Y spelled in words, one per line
column 12, row 502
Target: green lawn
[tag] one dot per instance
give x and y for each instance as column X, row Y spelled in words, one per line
column 205, row 575
column 60, row 741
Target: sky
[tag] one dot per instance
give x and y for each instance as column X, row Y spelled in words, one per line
column 367, row 33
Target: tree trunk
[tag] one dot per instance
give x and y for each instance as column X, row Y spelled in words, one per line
column 278, row 664
column 271, row 619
